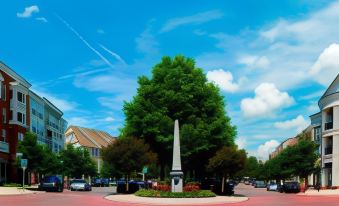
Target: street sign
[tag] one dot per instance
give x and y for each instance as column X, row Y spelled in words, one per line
column 24, row 163
column 145, row 170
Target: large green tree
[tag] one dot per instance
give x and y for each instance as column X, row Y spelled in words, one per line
column 31, row 151
column 227, row 162
column 128, row 155
column 76, row 161
column 179, row 90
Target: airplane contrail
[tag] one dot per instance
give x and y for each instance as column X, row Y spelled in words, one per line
column 85, row 42
column 115, row 55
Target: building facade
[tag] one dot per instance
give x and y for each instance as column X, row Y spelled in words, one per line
column 21, row 110
column 92, row 140
column 326, row 129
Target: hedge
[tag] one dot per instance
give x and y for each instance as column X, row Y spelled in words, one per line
column 166, row 194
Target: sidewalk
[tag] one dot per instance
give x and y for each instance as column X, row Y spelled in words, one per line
column 327, row 192
column 175, row 201
column 15, row 191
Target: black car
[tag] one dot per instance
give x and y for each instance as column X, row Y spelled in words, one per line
column 133, row 186
column 100, row 182
column 52, row 183
column 216, row 184
column 290, row 187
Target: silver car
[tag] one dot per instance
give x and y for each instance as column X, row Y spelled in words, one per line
column 79, row 184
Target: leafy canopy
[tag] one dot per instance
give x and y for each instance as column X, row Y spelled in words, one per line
column 179, row 90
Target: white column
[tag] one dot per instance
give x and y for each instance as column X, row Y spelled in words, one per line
column 323, row 177
column 335, row 163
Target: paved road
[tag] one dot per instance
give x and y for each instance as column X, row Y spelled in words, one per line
column 258, row 197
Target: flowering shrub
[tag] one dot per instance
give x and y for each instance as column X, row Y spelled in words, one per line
column 164, row 188
column 190, row 187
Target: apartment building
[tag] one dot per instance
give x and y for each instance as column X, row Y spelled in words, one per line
column 288, row 142
column 91, row 139
column 325, row 126
column 22, row 110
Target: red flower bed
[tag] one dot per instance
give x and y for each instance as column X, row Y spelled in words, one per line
column 191, row 187
column 164, row 188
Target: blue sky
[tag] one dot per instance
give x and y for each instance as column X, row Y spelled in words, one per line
column 271, row 59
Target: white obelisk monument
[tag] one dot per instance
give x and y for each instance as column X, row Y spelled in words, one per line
column 176, row 173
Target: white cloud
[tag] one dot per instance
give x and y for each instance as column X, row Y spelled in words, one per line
column 241, row 142
column 299, row 123
column 109, row 119
column 313, row 107
column 146, row 43
column 85, row 41
column 60, row 103
column 78, row 121
column 106, row 83
column 194, row 19
column 115, row 55
column 326, row 68
column 100, row 31
column 255, row 62
column 28, row 11
column 224, row 79
column 265, row 149
column 42, row 19
column 266, row 101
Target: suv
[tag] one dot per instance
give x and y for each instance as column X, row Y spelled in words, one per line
column 52, row 183
column 290, row 187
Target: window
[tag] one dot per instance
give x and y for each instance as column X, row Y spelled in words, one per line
column 20, row 136
column 2, row 91
column 21, row 117
column 21, row 97
column 4, row 115
column 317, row 133
column 3, row 134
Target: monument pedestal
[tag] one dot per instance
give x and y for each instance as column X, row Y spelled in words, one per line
column 176, row 182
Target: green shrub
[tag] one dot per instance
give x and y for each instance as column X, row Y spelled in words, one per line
column 164, row 194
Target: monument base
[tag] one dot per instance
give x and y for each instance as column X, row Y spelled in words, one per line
column 177, row 182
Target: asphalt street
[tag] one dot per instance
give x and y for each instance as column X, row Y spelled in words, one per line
column 257, row 197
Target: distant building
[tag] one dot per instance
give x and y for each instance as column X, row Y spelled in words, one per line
column 22, row 110
column 288, row 142
column 325, row 126
column 91, row 139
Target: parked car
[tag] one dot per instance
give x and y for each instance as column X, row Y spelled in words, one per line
column 260, row 184
column 247, row 182
column 290, row 187
column 79, row 184
column 272, row 186
column 52, row 183
column 100, row 182
column 133, row 186
column 215, row 186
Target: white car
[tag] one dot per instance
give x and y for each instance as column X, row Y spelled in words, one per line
column 272, row 187
column 80, row 184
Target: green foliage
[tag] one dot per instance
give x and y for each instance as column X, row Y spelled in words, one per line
column 227, row 161
column 164, row 194
column 77, row 161
column 298, row 160
column 50, row 161
column 127, row 155
column 179, row 90
column 32, row 152
column 251, row 168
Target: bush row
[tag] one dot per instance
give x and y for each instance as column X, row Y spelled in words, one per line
column 164, row 194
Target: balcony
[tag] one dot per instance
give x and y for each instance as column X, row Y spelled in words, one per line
column 328, row 125
column 4, row 147
column 328, row 150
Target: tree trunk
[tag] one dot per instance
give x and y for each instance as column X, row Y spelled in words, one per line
column 306, row 183
column 162, row 172
column 222, row 184
column 127, row 183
